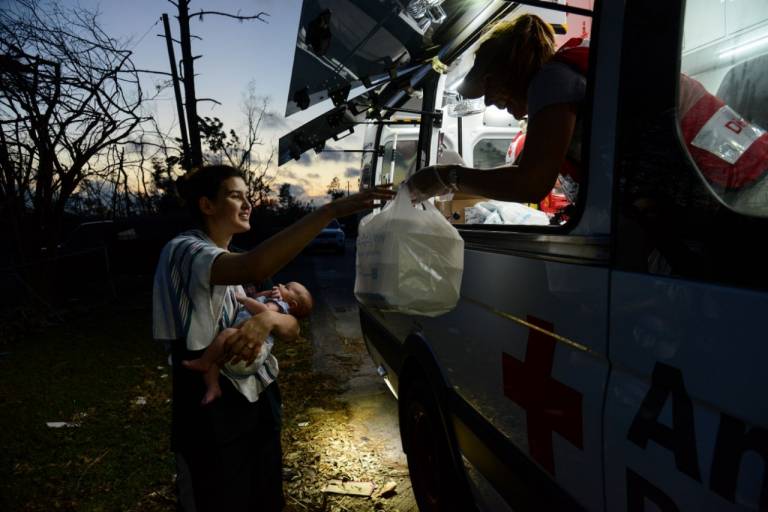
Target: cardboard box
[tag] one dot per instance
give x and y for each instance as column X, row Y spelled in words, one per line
column 453, row 210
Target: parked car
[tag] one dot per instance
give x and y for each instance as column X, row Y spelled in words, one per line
column 332, row 236
column 101, row 233
column 132, row 245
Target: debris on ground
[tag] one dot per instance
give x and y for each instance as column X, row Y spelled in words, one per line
column 76, row 421
column 349, row 488
column 327, row 464
column 61, row 424
column 387, row 491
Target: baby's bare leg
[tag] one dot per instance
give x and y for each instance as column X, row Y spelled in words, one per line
column 212, row 354
column 213, row 390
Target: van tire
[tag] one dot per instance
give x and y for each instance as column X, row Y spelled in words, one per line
column 436, row 483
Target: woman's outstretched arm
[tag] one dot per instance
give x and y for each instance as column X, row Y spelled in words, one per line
column 271, row 255
column 546, row 144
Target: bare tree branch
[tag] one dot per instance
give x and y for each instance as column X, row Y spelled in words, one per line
column 258, row 16
column 70, row 96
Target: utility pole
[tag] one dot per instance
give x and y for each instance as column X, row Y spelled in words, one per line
column 177, row 93
column 196, row 152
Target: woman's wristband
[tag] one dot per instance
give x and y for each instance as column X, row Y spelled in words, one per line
column 448, row 176
column 453, row 178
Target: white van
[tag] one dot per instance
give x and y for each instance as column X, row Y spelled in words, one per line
column 614, row 358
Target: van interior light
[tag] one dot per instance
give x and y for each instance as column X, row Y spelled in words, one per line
column 426, row 12
column 745, row 47
column 463, row 107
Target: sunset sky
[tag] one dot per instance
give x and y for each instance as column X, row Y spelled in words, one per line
column 234, row 54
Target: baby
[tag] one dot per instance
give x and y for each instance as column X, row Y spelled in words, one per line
column 292, row 298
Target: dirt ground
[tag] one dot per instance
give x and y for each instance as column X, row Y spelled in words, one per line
column 330, row 433
column 343, row 423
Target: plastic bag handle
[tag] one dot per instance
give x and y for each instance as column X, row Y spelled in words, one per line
column 429, row 206
column 402, row 198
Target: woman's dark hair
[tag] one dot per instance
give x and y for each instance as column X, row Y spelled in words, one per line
column 203, row 182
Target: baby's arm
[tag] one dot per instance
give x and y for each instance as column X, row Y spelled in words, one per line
column 255, row 307
column 273, row 293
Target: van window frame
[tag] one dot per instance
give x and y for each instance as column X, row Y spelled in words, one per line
column 549, row 243
column 653, row 122
column 472, row 233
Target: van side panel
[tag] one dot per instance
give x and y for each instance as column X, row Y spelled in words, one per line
column 681, row 419
column 525, row 348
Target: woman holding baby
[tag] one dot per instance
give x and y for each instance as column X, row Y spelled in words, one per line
column 228, row 451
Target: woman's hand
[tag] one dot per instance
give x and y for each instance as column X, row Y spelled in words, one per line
column 428, row 182
column 361, row 201
column 245, row 344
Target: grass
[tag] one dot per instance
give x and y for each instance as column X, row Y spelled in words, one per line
column 90, row 371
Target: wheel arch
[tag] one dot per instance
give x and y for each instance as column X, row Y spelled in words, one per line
column 420, row 362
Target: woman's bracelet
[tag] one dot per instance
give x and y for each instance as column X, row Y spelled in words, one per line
column 452, row 179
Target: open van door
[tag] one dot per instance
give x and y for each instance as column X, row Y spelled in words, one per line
column 368, row 57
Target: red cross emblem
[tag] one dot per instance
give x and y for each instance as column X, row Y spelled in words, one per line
column 550, row 406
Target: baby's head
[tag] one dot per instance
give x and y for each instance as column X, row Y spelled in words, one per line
column 298, row 298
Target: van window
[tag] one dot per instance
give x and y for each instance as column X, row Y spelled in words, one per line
column 679, row 213
column 398, row 138
column 399, row 160
column 723, row 99
column 489, row 153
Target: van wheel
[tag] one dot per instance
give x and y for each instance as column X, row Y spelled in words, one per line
column 436, row 484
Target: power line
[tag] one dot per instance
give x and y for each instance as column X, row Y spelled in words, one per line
column 145, row 34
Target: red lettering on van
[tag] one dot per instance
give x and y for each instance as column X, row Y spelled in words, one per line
column 550, row 406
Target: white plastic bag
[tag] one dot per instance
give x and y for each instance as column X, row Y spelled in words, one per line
column 409, row 259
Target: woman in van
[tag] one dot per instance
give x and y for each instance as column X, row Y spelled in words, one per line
column 518, row 69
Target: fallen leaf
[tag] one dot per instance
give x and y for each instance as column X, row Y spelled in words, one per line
column 387, row 490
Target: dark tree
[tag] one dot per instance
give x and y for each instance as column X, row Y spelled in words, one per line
column 69, row 93
column 334, row 189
